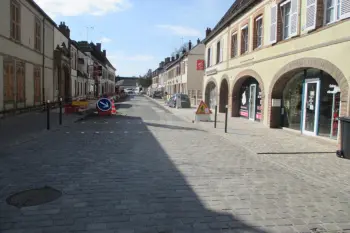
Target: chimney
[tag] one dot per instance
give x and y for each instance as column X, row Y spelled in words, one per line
column 172, row 58
column 198, row 41
column 167, row 60
column 98, row 46
column 64, row 29
column 162, row 64
column 189, row 45
column 104, row 53
column 177, row 56
column 207, row 32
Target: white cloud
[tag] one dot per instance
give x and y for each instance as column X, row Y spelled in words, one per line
column 180, row 30
column 79, row 7
column 105, row 40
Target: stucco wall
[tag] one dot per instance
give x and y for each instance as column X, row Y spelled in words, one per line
column 1, row 83
column 330, row 43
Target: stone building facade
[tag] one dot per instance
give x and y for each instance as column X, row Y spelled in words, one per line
column 283, row 63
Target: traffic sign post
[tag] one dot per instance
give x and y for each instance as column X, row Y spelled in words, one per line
column 104, row 107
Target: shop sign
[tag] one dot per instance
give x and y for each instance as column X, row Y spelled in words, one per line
column 200, row 64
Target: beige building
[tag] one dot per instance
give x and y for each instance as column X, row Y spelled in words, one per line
column 183, row 75
column 284, row 63
column 26, row 55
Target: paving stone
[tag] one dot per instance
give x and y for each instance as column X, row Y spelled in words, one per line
column 177, row 178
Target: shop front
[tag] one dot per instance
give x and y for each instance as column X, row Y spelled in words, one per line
column 311, row 103
column 250, row 100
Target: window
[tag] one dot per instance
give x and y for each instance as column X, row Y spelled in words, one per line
column 234, row 47
column 245, row 39
column 258, row 32
column 37, row 84
column 218, row 52
column 15, row 21
column 332, row 10
column 37, row 43
column 285, row 15
column 208, row 57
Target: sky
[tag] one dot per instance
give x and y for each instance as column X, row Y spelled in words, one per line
column 137, row 34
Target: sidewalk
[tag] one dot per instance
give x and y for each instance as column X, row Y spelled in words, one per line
column 301, row 155
column 25, row 127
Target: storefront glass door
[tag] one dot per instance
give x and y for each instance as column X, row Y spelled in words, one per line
column 311, row 106
column 252, row 101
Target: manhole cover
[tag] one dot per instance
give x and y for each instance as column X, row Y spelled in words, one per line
column 33, row 197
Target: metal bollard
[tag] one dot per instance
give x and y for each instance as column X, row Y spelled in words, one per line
column 226, row 110
column 215, row 116
column 48, row 115
column 60, row 116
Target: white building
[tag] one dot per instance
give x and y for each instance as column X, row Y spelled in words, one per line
column 185, row 75
column 26, row 55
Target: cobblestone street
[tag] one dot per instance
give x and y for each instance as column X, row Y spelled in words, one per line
column 146, row 170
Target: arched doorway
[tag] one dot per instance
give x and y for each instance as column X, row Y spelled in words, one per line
column 247, row 98
column 210, row 94
column 223, row 95
column 307, row 100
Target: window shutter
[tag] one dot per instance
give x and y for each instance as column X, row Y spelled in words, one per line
column 273, row 25
column 294, row 18
column 311, row 11
column 344, row 9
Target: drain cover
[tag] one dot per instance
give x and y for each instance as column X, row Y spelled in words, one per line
column 33, row 197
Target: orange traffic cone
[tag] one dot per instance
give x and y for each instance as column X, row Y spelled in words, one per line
column 114, row 110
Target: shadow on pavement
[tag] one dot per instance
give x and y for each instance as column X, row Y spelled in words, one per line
column 119, row 182
column 173, row 127
column 119, row 106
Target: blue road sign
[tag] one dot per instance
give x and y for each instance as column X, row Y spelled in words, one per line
column 104, row 104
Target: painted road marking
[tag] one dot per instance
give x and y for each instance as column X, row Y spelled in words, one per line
column 97, row 132
column 82, row 132
column 125, row 131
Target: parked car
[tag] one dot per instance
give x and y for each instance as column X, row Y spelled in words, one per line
column 157, row 94
column 185, row 101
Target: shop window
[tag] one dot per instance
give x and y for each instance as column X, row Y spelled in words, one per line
column 292, row 102
column 234, row 45
column 311, row 103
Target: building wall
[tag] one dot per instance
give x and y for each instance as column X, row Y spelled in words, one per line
column 59, row 38
column 324, row 47
column 194, row 76
column 24, row 50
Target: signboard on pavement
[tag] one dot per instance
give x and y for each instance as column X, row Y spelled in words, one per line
column 203, row 108
column 104, row 105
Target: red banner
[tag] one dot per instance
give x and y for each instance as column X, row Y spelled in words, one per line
column 200, row 64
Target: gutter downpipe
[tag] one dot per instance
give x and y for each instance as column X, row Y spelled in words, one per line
column 43, row 72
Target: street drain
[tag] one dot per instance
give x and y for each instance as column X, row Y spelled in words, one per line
column 33, row 197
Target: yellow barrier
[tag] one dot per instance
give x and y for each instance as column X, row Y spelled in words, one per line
column 80, row 103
